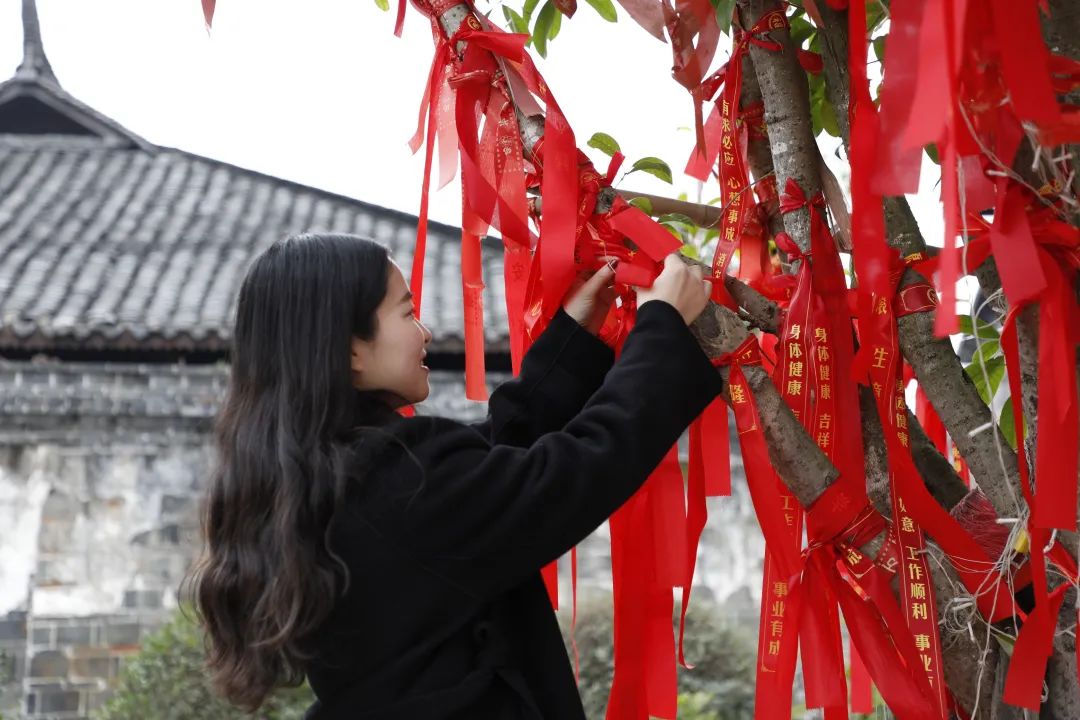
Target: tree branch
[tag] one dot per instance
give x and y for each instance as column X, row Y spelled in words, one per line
column 938, row 474
column 703, row 215
column 833, row 37
column 936, row 471
column 762, row 312
column 758, row 148
column 787, row 115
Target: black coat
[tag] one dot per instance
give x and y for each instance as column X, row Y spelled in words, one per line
column 446, row 616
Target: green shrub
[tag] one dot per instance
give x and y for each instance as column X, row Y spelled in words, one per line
column 167, row 680
column 719, row 687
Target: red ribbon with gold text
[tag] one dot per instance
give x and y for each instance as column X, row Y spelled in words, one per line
column 776, row 659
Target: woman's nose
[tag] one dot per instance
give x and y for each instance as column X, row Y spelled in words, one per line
column 427, row 333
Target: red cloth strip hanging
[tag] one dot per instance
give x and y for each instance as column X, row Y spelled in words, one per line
column 709, row 474
column 862, row 687
column 776, row 667
column 1056, row 249
column 208, row 7
column 685, row 21
column 472, row 291
column 1034, row 644
column 644, row 683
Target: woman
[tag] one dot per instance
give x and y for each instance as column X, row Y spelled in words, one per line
column 395, row 562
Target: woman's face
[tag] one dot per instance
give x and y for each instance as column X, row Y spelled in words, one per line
column 393, row 361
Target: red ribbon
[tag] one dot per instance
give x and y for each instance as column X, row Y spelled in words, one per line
column 1024, row 59
column 208, row 12
column 1053, row 247
column 776, row 663
column 837, row 572
column 1053, row 504
column 649, row 555
column 726, row 141
column 472, row 291
column 862, row 698
column 1034, row 644
column 435, row 112
column 685, row 21
column 709, row 476
column 894, row 168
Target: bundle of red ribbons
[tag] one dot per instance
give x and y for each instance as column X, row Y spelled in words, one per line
column 491, row 79
column 984, row 52
column 965, row 76
column 961, row 75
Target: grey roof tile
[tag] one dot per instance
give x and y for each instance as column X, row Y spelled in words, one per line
column 125, row 248
column 109, row 242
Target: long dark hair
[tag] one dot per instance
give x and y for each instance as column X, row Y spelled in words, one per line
column 268, row 578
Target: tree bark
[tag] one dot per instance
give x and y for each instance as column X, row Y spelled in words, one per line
column 787, row 115
column 758, row 149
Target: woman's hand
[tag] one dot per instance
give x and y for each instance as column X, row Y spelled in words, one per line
column 590, row 298
column 681, row 286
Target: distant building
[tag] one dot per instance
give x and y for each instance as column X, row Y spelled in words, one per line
column 119, row 264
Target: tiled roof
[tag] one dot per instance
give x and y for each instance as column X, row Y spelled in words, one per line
column 125, row 248
column 110, row 243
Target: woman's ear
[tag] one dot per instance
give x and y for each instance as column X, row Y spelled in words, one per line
column 358, row 352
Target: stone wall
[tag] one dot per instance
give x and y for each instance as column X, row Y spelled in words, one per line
column 116, row 530
column 75, row 661
column 101, row 471
column 13, row 638
column 102, row 466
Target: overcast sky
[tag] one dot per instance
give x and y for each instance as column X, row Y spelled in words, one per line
column 322, row 93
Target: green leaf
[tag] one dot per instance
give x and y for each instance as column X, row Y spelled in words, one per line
column 801, row 30
column 604, row 143
column 879, row 47
column 672, row 229
column 724, row 11
column 677, row 218
column 875, row 15
column 643, row 204
column 932, row 153
column 822, row 113
column 383, row 5
column 986, row 376
column 817, row 101
column 543, row 26
column 828, row 118
column 1007, row 643
column 982, row 330
column 1005, row 422
column 556, row 25
column 605, row 9
column 528, row 9
column 517, row 23
column 654, row 166
column 690, row 251
column 987, row 350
